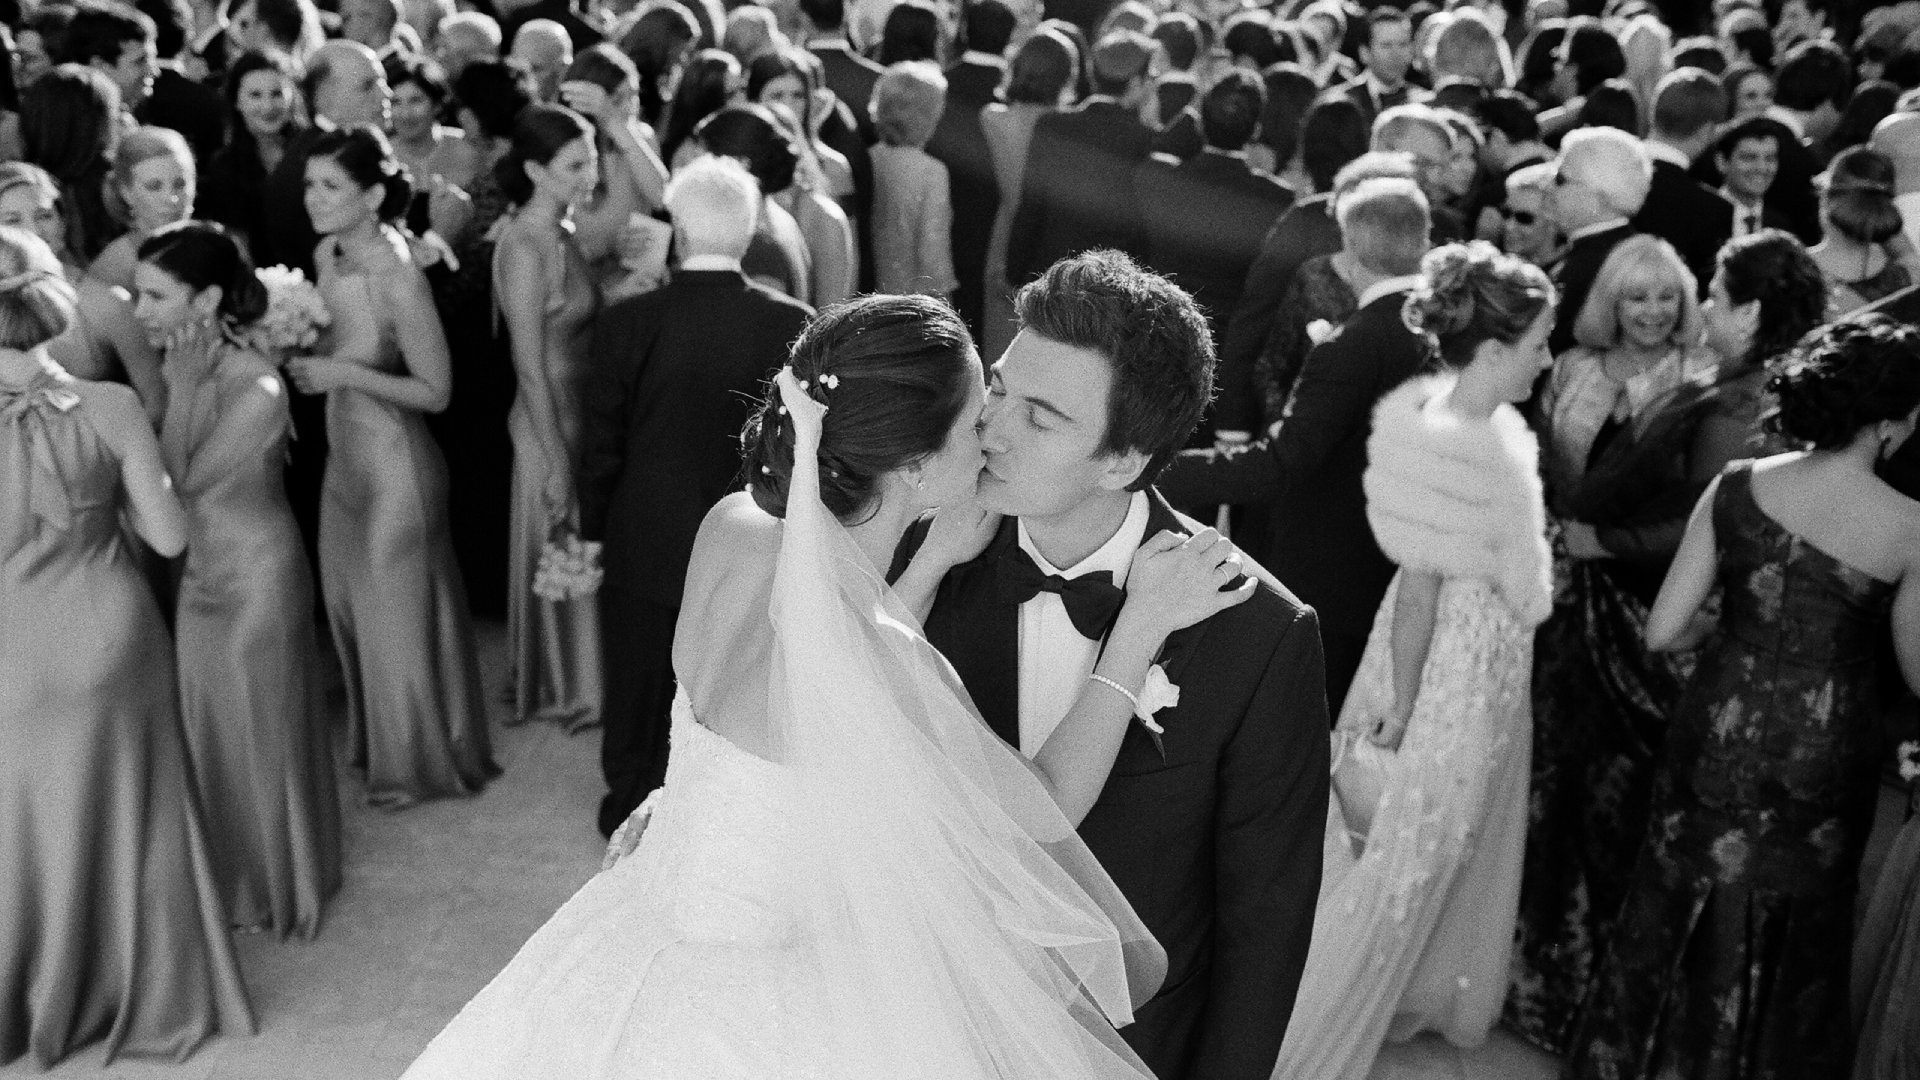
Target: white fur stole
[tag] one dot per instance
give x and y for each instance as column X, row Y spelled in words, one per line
column 1460, row 498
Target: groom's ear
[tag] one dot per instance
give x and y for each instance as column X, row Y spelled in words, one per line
column 1119, row 471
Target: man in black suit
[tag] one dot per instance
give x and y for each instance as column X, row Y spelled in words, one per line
column 1212, row 828
column 959, row 142
column 1687, row 107
column 1077, row 192
column 1600, row 181
column 849, row 75
column 1811, row 85
column 1204, row 218
column 1387, row 56
column 1305, row 475
column 1747, row 157
column 1307, row 230
column 672, row 374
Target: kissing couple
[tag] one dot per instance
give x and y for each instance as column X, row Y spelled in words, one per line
column 985, row 763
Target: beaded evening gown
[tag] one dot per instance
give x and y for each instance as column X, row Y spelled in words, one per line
column 250, row 693
column 1730, row 955
column 554, row 644
column 111, row 926
column 416, row 713
column 1413, row 932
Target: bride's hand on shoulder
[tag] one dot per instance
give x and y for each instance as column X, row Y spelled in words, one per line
column 959, row 533
column 1177, row 581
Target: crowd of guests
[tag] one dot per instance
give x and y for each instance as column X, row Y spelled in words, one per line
column 562, row 247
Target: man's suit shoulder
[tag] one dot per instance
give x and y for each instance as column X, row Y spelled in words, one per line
column 679, row 298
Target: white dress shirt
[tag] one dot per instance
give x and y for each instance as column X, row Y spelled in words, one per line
column 1054, row 659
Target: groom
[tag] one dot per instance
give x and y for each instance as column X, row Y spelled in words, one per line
column 1214, row 835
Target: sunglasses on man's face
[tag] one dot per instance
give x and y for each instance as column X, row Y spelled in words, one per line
column 1522, row 218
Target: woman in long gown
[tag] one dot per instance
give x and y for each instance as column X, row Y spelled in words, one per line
column 847, row 874
column 1044, row 69
column 417, row 720
column 250, row 692
column 548, row 301
column 111, row 926
column 1627, row 455
column 1730, row 955
column 1430, row 776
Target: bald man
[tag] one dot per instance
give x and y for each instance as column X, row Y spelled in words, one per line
column 544, row 47
column 1898, row 137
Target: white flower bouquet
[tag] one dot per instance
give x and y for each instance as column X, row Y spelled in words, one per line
column 569, row 566
column 296, row 313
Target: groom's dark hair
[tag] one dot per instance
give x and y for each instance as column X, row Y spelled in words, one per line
column 1151, row 332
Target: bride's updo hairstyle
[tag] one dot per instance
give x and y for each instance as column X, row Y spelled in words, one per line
column 540, row 132
column 896, row 371
column 1473, row 293
column 367, row 158
column 1844, row 377
column 201, row 254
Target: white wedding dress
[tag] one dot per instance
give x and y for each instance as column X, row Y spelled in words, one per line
column 1412, row 931
column 888, row 894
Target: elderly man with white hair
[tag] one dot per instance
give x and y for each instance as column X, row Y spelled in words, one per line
column 543, row 45
column 1600, row 181
column 1898, row 137
column 672, row 373
column 463, row 38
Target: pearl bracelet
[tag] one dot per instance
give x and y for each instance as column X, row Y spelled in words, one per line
column 1132, row 698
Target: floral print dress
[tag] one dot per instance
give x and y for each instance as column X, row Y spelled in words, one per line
column 1730, row 956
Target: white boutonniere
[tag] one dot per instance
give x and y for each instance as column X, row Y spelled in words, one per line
column 1910, row 761
column 1319, row 330
column 1158, row 693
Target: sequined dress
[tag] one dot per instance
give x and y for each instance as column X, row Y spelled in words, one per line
column 679, row 963
column 1413, row 934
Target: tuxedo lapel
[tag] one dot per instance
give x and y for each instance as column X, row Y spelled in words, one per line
column 981, row 637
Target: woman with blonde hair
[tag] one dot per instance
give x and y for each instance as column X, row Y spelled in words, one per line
column 103, row 342
column 151, row 186
column 111, row 925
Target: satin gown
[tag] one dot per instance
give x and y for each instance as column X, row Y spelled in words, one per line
column 111, row 926
column 555, row 644
column 250, row 693
column 416, row 713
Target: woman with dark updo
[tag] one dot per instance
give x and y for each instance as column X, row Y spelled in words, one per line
column 1864, row 252
column 250, row 692
column 1429, row 815
column 417, row 719
column 547, row 300
column 1730, row 955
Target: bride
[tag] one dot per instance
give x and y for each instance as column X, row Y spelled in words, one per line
column 1416, row 909
column 847, row 874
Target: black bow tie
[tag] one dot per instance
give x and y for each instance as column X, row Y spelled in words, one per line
column 1092, row 599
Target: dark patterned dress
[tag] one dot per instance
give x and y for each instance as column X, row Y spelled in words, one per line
column 1730, row 956
column 1317, row 292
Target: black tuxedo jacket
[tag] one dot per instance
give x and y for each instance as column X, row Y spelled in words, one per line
column 1694, row 218
column 1573, row 278
column 851, row 77
column 672, row 377
column 1077, row 193
column 1304, row 231
column 1307, row 474
column 1217, row 846
column 1205, row 219
column 960, row 144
